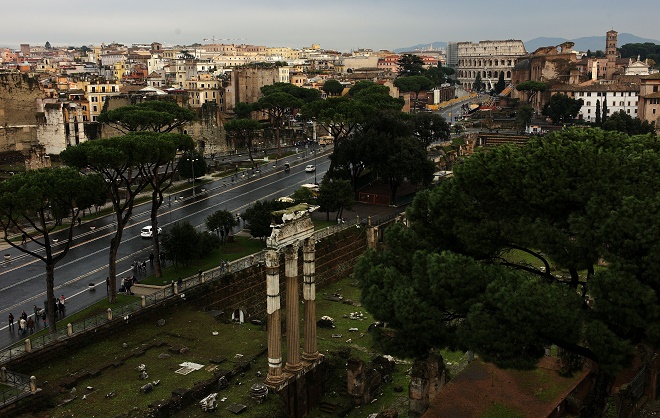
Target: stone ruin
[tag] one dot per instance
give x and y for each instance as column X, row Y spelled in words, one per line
column 364, row 380
column 209, row 403
column 427, row 378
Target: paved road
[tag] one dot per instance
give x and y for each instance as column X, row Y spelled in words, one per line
column 22, row 278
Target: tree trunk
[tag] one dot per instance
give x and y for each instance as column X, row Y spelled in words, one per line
column 112, row 267
column 277, row 139
column 50, row 296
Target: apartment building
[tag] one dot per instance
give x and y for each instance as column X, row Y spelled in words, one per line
column 389, row 63
column 204, row 89
column 649, row 99
column 97, row 94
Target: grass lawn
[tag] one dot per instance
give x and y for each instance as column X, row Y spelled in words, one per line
column 241, row 247
column 157, row 347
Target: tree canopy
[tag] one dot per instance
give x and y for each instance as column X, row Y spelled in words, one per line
column 410, row 65
column 27, row 203
column 414, row 85
column 554, row 242
column 258, row 217
column 220, row 220
column 335, row 196
column 561, row 108
column 151, row 115
column 332, row 87
column 278, row 103
column 623, row 122
column 430, row 127
column 121, row 161
column 644, row 51
column 244, row 132
column 183, row 243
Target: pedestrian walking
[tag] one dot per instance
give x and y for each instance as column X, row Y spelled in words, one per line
column 36, row 312
column 24, row 241
column 30, row 325
column 43, row 316
column 10, row 320
column 179, row 283
column 61, row 308
column 24, row 315
column 22, row 325
column 62, row 299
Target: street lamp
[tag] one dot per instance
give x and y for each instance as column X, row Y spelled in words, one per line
column 192, row 167
column 315, row 151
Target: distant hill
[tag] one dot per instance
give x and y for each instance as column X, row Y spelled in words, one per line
column 593, row 43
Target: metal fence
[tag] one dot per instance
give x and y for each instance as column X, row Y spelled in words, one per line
column 19, row 387
column 124, row 312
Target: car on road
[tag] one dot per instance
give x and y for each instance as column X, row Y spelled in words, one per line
column 148, row 233
column 310, row 168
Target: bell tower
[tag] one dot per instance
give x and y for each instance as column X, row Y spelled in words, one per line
column 610, row 53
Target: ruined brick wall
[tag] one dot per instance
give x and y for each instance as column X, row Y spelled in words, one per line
column 427, row 378
column 335, row 259
column 18, row 110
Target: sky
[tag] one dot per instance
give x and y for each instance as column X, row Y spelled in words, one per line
column 343, row 25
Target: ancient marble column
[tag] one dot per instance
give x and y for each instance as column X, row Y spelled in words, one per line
column 310, row 351
column 293, row 363
column 275, row 376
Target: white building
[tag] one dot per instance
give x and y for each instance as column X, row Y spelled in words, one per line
column 621, row 94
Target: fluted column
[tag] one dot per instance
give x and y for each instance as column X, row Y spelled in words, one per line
column 293, row 363
column 275, row 376
column 310, row 351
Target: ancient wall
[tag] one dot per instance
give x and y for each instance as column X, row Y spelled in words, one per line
column 18, row 98
column 427, row 378
column 335, row 259
column 206, row 131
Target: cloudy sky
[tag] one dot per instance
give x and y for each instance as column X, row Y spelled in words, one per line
column 343, row 25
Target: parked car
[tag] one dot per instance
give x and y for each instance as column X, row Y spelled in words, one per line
column 148, row 233
column 310, row 168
